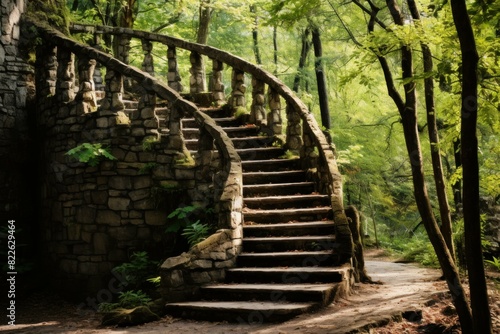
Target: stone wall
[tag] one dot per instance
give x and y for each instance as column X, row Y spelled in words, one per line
column 17, row 149
column 95, row 217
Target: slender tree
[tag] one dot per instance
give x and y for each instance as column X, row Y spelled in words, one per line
column 320, row 77
column 407, row 108
column 437, row 165
column 470, row 166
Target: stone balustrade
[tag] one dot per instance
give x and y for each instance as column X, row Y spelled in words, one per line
column 70, row 112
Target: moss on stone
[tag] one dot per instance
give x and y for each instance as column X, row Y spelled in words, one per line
column 54, row 12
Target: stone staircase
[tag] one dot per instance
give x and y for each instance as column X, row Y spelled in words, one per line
column 289, row 264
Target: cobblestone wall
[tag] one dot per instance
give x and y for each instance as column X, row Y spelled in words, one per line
column 16, row 146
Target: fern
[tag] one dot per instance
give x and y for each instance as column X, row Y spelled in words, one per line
column 196, row 233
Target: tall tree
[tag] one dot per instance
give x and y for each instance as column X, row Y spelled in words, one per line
column 407, row 108
column 470, row 166
column 321, row 78
column 437, row 165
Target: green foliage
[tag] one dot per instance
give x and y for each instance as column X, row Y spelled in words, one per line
column 138, row 270
column 196, row 232
column 127, row 300
column 416, row 248
column 179, row 218
column 148, row 143
column 148, row 168
column 90, row 154
column 495, row 263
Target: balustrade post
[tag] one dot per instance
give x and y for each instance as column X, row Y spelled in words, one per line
column 293, row 130
column 122, row 53
column 173, row 76
column 46, row 70
column 217, row 86
column 238, row 89
column 86, row 93
column 65, row 89
column 258, row 111
column 175, row 137
column 197, row 80
column 147, row 63
column 98, row 82
column 205, row 153
column 274, row 116
column 113, row 92
column 150, row 121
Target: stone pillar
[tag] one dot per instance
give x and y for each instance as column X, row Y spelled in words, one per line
column 150, row 121
column 293, row 130
column 173, row 76
column 122, row 53
column 205, row 154
column 258, row 111
column 46, row 71
column 238, row 89
column 147, row 63
column 217, row 86
column 175, row 138
column 197, row 80
column 65, row 89
column 85, row 97
column 98, row 82
column 274, row 116
column 113, row 92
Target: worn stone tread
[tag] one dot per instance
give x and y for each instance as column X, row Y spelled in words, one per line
column 319, row 287
column 246, row 306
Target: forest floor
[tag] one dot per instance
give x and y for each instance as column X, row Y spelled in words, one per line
column 410, row 299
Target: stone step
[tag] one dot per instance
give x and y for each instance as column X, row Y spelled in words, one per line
column 289, row 229
column 260, row 153
column 271, row 165
column 284, row 202
column 322, row 294
column 253, row 141
column 322, row 258
column 239, row 311
column 286, row 275
column 232, row 132
column 291, row 243
column 287, row 215
column 221, row 121
column 278, row 189
column 285, row 176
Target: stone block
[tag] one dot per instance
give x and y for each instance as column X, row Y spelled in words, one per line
column 101, row 243
column 155, row 217
column 88, row 268
column 85, row 215
column 108, row 217
column 141, row 182
column 203, row 264
column 118, row 203
column 200, row 277
column 137, row 195
column 68, row 266
column 123, row 233
column 177, row 261
column 221, row 256
column 99, row 197
column 174, row 278
column 120, row 182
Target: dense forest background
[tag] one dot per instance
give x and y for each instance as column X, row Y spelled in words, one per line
column 364, row 122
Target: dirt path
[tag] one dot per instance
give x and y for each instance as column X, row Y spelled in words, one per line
column 405, row 287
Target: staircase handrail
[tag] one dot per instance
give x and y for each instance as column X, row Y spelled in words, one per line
column 326, row 150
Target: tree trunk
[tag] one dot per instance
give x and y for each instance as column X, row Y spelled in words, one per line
column 306, row 46
column 321, row 80
column 457, row 186
column 360, row 274
column 205, row 15
column 437, row 166
column 408, row 111
column 255, row 36
column 275, row 49
column 470, row 166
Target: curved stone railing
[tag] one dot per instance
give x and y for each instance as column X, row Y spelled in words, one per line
column 64, row 114
column 303, row 134
column 56, row 78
